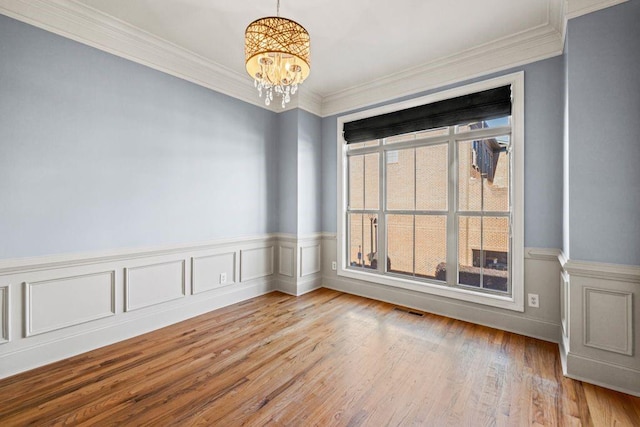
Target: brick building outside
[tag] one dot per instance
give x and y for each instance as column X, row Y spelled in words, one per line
column 417, row 190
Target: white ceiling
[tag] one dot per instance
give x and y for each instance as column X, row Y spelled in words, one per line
column 362, row 51
column 352, row 41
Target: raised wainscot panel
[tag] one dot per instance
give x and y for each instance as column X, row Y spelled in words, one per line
column 256, row 263
column 153, row 284
column 607, row 318
column 68, row 301
column 309, row 260
column 564, row 303
column 286, row 261
column 212, row 271
column 4, row 314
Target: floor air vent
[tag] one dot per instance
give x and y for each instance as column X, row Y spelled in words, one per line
column 404, row 310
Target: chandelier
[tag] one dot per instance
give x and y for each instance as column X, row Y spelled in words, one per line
column 277, row 56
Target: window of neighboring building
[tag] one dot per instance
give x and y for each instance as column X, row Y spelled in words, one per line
column 437, row 210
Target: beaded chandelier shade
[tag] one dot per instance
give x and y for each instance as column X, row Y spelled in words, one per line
column 277, row 54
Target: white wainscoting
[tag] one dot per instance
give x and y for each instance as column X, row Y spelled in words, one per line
column 600, row 343
column 286, row 260
column 207, row 271
column 152, row 284
column 300, row 263
column 256, row 263
column 608, row 320
column 68, row 301
column 310, row 259
column 564, row 310
column 5, row 334
column 59, row 306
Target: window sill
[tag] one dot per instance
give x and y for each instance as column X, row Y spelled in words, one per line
column 491, row 300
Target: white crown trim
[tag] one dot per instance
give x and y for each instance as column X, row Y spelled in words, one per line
column 577, row 8
column 530, row 46
column 89, row 26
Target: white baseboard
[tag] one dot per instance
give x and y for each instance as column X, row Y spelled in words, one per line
column 299, row 288
column 603, row 374
column 309, row 284
column 531, row 327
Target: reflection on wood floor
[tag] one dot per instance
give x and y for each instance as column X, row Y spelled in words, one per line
column 326, row 358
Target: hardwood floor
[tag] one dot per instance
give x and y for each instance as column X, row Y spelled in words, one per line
column 326, row 358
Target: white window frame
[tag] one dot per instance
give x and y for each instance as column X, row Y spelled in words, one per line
column 515, row 301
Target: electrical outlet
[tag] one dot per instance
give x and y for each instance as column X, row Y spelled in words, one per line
column 223, row 278
column 534, row 300
column 334, row 266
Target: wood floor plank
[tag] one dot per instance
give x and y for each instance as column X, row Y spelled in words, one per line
column 326, row 358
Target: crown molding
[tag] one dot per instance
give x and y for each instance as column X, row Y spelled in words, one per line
column 91, row 27
column 556, row 14
column 558, row 17
column 303, row 99
column 529, row 46
column 309, row 101
column 577, row 8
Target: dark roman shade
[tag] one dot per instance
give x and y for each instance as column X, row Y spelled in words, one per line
column 485, row 105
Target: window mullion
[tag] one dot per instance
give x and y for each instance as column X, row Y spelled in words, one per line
column 483, row 261
column 415, row 205
column 382, row 202
column 361, row 248
column 414, row 246
column 452, row 223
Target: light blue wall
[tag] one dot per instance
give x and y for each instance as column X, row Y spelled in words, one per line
column 97, row 152
column 309, row 173
column 565, row 156
column 544, row 126
column 543, row 153
column 288, row 171
column 604, row 135
column 299, row 172
column 329, row 173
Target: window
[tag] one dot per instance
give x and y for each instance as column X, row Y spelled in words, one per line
column 436, row 209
